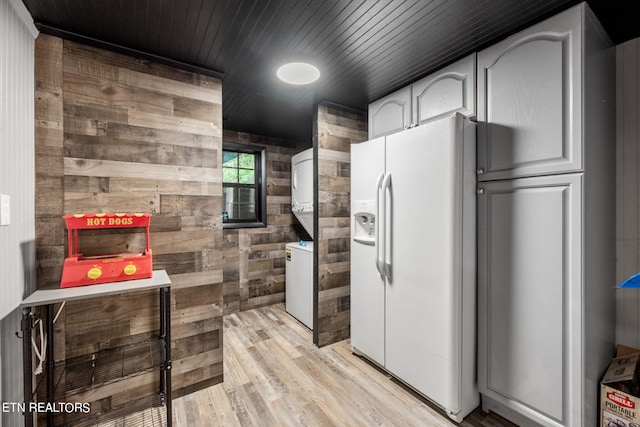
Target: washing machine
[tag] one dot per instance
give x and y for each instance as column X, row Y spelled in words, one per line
column 299, row 281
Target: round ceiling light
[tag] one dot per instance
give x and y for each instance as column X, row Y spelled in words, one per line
column 298, row 73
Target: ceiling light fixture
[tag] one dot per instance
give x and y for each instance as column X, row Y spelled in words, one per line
column 298, row 73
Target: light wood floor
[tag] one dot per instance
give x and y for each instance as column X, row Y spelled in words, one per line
column 275, row 376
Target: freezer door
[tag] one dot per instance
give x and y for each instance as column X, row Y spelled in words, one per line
column 367, row 286
column 424, row 294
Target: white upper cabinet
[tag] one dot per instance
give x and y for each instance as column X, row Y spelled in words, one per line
column 390, row 114
column 529, row 101
column 447, row 91
column 450, row 90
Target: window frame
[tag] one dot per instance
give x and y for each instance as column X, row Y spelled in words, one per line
column 260, row 185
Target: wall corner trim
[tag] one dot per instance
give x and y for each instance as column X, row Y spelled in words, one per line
column 25, row 16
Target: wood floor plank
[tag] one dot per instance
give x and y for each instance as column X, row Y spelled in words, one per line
column 232, row 363
column 221, row 408
column 355, row 406
column 380, row 385
column 376, row 395
column 208, row 414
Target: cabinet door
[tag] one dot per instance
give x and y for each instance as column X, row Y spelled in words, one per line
column 449, row 90
column 390, row 114
column 529, row 296
column 529, row 101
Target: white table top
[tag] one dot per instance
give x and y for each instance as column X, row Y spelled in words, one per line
column 160, row 279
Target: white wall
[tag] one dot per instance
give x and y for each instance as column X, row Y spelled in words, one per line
column 16, row 153
column 628, row 190
column 17, row 240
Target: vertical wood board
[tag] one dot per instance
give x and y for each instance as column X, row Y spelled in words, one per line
column 337, row 128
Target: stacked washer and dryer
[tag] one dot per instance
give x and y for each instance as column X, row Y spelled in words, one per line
column 299, row 255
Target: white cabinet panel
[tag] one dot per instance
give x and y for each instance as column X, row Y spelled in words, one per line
column 529, row 101
column 447, row 91
column 529, row 246
column 390, row 114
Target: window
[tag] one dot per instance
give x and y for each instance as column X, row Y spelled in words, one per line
column 244, row 192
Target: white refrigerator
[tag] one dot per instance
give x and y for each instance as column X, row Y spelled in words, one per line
column 413, row 270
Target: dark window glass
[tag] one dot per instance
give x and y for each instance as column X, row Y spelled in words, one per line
column 244, row 187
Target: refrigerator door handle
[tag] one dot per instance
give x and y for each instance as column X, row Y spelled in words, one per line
column 386, row 185
column 379, row 233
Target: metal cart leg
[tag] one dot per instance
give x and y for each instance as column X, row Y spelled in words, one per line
column 165, row 335
column 50, row 367
column 27, row 364
column 163, row 341
column 167, row 293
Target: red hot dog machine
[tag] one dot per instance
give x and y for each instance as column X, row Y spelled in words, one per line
column 80, row 270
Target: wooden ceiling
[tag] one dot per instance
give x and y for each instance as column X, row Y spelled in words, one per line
column 364, row 49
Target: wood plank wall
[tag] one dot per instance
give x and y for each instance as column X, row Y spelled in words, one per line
column 114, row 133
column 254, row 263
column 628, row 190
column 337, row 128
